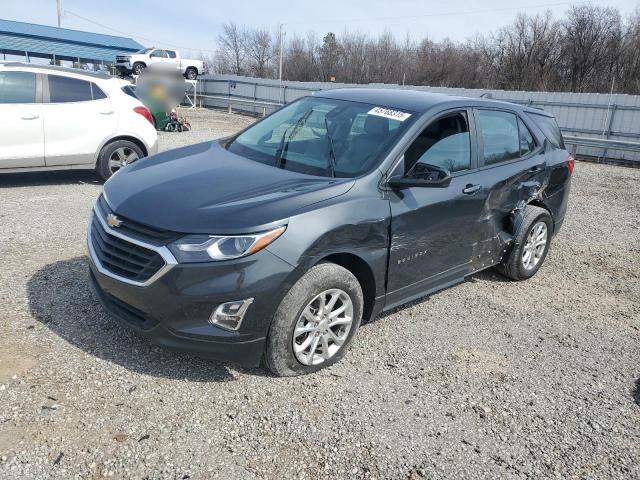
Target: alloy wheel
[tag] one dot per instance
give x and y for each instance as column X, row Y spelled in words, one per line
column 323, row 327
column 535, row 245
column 121, row 157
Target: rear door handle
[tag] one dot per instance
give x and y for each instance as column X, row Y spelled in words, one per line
column 471, row 189
column 29, row 117
column 536, row 169
column 108, row 112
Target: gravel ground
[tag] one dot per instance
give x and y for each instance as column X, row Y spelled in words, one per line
column 490, row 378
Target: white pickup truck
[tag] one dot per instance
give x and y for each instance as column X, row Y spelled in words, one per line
column 158, row 58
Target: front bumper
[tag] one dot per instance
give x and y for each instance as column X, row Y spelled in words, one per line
column 174, row 309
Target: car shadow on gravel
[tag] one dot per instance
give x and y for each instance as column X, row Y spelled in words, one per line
column 61, row 298
column 61, row 177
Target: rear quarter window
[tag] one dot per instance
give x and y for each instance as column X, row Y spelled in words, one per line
column 67, row 89
column 549, row 127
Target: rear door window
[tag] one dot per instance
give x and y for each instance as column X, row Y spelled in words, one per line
column 67, row 89
column 171, row 53
column 500, row 136
column 549, row 127
column 17, row 87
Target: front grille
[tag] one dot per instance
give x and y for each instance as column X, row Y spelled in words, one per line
column 122, row 59
column 123, row 258
column 138, row 230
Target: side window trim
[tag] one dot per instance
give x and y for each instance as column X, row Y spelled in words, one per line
column 39, row 87
column 474, row 160
column 480, row 143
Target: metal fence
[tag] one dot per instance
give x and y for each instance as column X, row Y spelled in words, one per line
column 585, row 118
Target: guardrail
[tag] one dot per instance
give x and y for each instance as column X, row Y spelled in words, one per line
column 230, row 101
column 605, row 144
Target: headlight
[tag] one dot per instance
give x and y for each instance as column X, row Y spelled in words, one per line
column 204, row 248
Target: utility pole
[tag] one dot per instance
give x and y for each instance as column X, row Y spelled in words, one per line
column 59, row 11
column 280, row 63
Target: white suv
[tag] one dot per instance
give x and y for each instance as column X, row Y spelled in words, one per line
column 55, row 118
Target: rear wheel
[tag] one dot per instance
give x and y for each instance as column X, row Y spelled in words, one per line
column 117, row 155
column 315, row 322
column 531, row 244
column 191, row 73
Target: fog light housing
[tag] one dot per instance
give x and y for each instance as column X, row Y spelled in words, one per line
column 229, row 315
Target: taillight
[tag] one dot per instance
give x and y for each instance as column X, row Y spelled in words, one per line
column 570, row 162
column 146, row 113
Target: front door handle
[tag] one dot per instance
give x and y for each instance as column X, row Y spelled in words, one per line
column 471, row 189
column 30, row 117
column 108, row 112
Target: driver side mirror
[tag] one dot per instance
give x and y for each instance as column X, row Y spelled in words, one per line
column 426, row 176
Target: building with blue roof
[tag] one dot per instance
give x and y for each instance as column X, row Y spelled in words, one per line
column 60, row 45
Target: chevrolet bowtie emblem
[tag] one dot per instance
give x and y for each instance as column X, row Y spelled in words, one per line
column 113, row 221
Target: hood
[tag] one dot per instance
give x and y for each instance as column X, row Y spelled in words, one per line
column 203, row 188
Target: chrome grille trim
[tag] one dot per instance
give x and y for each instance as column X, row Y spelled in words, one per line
column 169, row 260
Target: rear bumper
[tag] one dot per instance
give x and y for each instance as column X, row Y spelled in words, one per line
column 152, row 148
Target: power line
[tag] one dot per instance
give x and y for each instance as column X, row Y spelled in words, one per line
column 128, row 34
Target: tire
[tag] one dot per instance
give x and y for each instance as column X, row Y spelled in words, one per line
column 137, row 68
column 327, row 280
column 191, row 73
column 515, row 265
column 120, row 150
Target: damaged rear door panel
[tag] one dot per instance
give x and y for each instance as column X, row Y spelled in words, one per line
column 513, row 172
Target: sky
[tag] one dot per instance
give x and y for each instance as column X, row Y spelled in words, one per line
column 193, row 25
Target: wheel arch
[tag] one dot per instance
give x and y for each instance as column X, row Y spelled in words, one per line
column 129, row 138
column 363, row 273
column 537, row 202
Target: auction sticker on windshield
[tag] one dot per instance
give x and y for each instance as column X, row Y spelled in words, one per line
column 389, row 113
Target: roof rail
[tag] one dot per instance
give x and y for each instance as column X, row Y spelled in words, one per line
column 56, row 68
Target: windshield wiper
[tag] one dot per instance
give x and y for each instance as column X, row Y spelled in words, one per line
column 283, row 147
column 332, row 153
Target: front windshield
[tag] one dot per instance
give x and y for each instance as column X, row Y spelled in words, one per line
column 324, row 137
column 144, row 50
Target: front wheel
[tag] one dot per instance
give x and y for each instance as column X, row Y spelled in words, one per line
column 531, row 244
column 315, row 322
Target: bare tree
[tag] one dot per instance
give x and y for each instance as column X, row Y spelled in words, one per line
column 260, row 50
column 592, row 36
column 232, row 49
column 590, row 49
